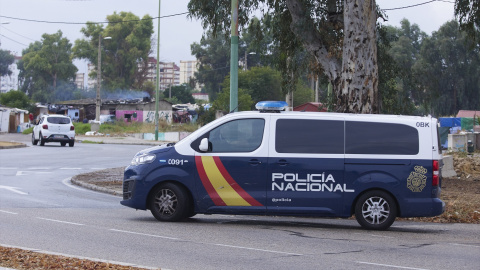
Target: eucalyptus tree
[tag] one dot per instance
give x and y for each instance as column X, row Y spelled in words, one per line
column 124, row 55
column 6, row 59
column 447, row 71
column 46, row 64
column 340, row 35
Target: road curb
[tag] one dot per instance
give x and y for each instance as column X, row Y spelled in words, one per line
column 95, row 187
column 14, row 145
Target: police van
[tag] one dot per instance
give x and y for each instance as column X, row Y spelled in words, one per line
column 279, row 163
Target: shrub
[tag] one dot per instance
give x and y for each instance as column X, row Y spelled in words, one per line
column 81, row 128
column 28, row 131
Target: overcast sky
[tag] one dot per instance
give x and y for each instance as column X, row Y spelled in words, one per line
column 176, row 33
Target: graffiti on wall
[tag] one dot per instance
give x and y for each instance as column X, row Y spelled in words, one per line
column 149, row 116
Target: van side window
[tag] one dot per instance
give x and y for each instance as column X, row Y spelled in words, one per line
column 244, row 135
column 380, row 138
column 309, row 136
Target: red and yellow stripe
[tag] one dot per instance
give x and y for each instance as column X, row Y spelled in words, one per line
column 220, row 186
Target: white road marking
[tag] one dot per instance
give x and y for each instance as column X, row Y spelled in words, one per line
column 61, row 221
column 8, row 212
column 375, row 235
column 38, row 168
column 464, row 245
column 214, row 244
column 144, row 234
column 13, row 189
column 392, row 266
column 30, row 173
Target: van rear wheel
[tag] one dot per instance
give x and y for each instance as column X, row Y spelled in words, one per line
column 169, row 202
column 375, row 210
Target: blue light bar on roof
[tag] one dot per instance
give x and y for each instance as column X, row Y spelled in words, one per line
column 271, row 105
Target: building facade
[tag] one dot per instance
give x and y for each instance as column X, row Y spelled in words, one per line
column 11, row 82
column 187, row 72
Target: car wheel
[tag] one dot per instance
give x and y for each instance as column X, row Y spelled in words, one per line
column 63, row 143
column 375, row 210
column 34, row 142
column 42, row 141
column 71, row 143
column 169, row 202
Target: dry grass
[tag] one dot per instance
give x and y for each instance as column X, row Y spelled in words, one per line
column 29, row 260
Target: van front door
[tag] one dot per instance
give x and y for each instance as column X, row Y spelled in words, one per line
column 231, row 175
column 306, row 166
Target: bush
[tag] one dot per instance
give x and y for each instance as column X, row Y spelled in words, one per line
column 81, row 128
column 28, row 131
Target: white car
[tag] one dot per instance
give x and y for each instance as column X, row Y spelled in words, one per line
column 54, row 128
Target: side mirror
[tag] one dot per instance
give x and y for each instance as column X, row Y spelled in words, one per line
column 204, row 145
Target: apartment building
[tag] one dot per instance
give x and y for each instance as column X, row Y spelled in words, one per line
column 187, row 72
column 10, row 82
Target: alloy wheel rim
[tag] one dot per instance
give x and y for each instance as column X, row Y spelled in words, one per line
column 376, row 210
column 166, row 202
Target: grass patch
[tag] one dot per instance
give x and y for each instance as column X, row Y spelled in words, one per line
column 81, row 128
column 28, row 131
column 120, row 127
column 93, row 142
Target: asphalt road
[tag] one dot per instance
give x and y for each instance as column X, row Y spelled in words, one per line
column 40, row 209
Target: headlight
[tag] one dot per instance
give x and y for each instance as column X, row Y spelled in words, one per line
column 143, row 159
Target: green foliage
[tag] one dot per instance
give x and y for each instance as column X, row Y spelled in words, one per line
column 180, row 94
column 28, row 131
column 222, row 102
column 6, row 59
column 16, row 99
column 261, row 83
column 46, row 65
column 302, row 94
column 447, row 72
column 213, row 52
column 81, row 128
column 205, row 116
column 468, row 14
column 129, row 46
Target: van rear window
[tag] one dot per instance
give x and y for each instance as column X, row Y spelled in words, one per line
column 380, row 138
column 309, row 136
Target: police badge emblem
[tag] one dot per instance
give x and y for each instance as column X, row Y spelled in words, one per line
column 417, row 179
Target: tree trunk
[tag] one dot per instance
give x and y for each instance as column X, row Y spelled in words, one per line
column 355, row 76
column 357, row 90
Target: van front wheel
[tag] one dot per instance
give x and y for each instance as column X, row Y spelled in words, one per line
column 169, row 202
column 375, row 210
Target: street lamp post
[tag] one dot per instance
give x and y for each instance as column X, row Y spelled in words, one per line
column 99, row 77
column 246, row 58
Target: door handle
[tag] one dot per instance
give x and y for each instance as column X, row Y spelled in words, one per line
column 282, row 162
column 254, row 162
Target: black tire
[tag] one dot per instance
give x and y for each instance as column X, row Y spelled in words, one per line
column 42, row 141
column 63, row 143
column 71, row 143
column 169, row 202
column 34, row 142
column 375, row 210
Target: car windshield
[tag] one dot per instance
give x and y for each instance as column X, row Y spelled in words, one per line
column 58, row 120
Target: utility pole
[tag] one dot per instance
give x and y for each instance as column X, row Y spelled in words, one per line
column 234, row 58
column 157, row 90
column 98, row 102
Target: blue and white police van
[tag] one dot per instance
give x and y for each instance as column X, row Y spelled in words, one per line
column 274, row 162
